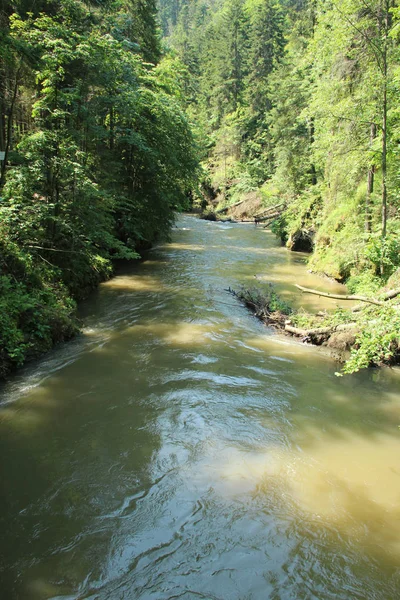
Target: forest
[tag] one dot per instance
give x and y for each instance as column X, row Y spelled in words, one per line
column 296, row 102
column 115, row 114
column 98, row 155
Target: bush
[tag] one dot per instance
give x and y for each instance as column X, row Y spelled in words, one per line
column 35, row 311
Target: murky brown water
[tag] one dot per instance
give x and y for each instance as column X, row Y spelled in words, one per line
column 179, row 449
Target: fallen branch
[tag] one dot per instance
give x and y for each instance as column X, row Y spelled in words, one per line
column 319, row 330
column 54, row 249
column 266, row 225
column 341, row 296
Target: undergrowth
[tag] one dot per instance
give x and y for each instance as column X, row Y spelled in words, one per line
column 36, row 310
column 264, row 301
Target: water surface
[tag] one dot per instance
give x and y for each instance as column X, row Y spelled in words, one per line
column 180, row 449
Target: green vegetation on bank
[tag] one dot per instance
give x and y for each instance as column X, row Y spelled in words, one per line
column 371, row 338
column 297, row 102
column 362, row 336
column 98, row 155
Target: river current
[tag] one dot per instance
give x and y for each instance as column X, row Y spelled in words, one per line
column 181, row 449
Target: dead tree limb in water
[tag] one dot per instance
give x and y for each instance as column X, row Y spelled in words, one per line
column 266, row 225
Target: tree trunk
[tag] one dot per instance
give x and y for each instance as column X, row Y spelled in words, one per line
column 340, row 296
column 9, row 129
column 370, row 183
column 112, row 128
column 313, row 171
column 385, row 25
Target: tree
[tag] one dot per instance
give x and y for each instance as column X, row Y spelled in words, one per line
column 100, row 155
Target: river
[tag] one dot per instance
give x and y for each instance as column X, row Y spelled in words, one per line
column 181, row 449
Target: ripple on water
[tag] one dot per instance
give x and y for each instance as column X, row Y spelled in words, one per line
column 179, row 449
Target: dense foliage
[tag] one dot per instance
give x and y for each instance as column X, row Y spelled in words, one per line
column 98, row 156
column 294, row 101
column 297, row 100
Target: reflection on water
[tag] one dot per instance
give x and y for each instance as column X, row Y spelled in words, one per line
column 132, row 283
column 180, row 449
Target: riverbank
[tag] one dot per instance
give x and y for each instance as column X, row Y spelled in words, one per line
column 345, row 332
column 38, row 311
column 364, row 335
column 357, row 335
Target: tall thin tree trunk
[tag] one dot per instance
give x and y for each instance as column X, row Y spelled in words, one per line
column 384, row 128
column 9, row 129
column 313, row 171
column 111, row 128
column 2, row 125
column 384, row 162
column 370, row 182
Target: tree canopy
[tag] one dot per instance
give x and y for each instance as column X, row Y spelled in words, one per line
column 98, row 155
column 106, row 108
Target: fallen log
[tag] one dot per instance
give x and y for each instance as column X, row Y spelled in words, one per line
column 270, row 209
column 269, row 217
column 299, row 331
column 340, row 296
column 221, row 210
column 391, row 294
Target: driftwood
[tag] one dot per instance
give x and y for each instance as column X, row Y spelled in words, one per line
column 267, row 218
column 338, row 337
column 318, row 330
column 341, row 296
column 391, row 294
